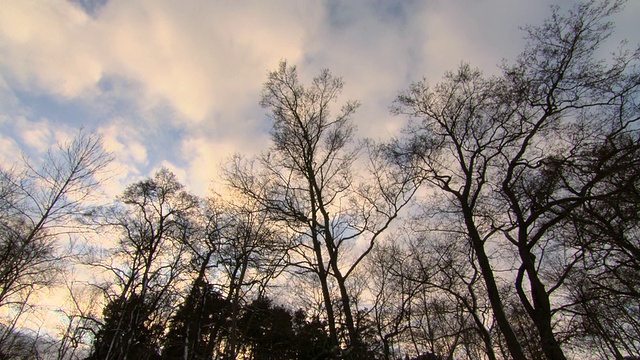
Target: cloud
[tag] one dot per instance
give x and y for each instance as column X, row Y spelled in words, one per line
column 9, row 150
column 120, row 138
column 198, row 56
column 175, row 82
column 48, row 46
column 189, row 68
column 37, row 135
column 205, row 159
column 482, row 33
column 372, row 46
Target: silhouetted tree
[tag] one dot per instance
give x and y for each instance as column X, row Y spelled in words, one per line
column 605, row 284
column 312, row 340
column 127, row 331
column 38, row 205
column 307, row 183
column 249, row 256
column 267, row 331
column 513, row 158
column 198, row 325
column 154, row 219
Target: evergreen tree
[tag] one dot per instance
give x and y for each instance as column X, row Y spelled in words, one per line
column 198, row 325
column 125, row 333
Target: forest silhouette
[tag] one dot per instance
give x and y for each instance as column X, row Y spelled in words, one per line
column 502, row 222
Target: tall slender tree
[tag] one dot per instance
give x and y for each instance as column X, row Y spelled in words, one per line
column 516, row 156
column 307, row 181
column 154, row 220
column 39, row 205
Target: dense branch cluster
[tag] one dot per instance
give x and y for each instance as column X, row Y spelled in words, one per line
column 502, row 223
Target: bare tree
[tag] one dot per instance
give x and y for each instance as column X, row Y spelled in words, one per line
column 605, row 284
column 392, row 295
column 38, row 205
column 79, row 320
column 429, row 297
column 307, row 182
column 194, row 330
column 153, row 221
column 514, row 157
column 250, row 256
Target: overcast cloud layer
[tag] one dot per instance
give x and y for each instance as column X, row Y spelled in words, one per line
column 177, row 83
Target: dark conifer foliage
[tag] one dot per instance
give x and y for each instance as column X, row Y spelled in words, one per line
column 126, row 332
column 198, row 325
column 268, row 331
column 312, row 340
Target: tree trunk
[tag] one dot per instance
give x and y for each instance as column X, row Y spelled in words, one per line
column 492, row 288
column 326, row 296
column 540, row 313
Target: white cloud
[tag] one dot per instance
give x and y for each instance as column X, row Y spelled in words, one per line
column 36, row 135
column 204, row 63
column 48, row 45
column 205, row 160
column 9, row 151
column 41, row 135
column 482, row 33
column 120, row 138
column 198, row 56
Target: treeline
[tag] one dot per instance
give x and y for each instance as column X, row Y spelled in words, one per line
column 501, row 223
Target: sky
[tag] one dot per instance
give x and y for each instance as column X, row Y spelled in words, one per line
column 177, row 83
